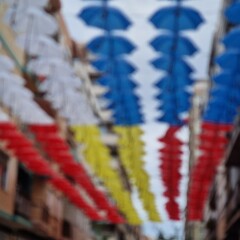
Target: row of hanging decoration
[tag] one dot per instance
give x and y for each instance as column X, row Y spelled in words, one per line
column 45, row 133
column 218, row 118
column 62, row 89
column 175, row 95
column 19, row 101
column 110, row 50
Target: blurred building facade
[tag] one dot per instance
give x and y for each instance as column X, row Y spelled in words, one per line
column 222, row 211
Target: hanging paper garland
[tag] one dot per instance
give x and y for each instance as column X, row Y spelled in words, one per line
column 46, row 133
column 62, row 90
column 171, row 162
column 131, row 151
column 174, row 47
column 174, row 97
column 24, row 150
column 99, row 159
column 213, row 142
column 58, row 150
column 110, row 50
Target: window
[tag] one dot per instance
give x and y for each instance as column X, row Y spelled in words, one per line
column 45, row 214
column 24, row 183
column 3, row 170
column 66, row 230
column 234, row 176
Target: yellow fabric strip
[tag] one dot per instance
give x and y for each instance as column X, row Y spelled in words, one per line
column 98, row 157
column 131, row 151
